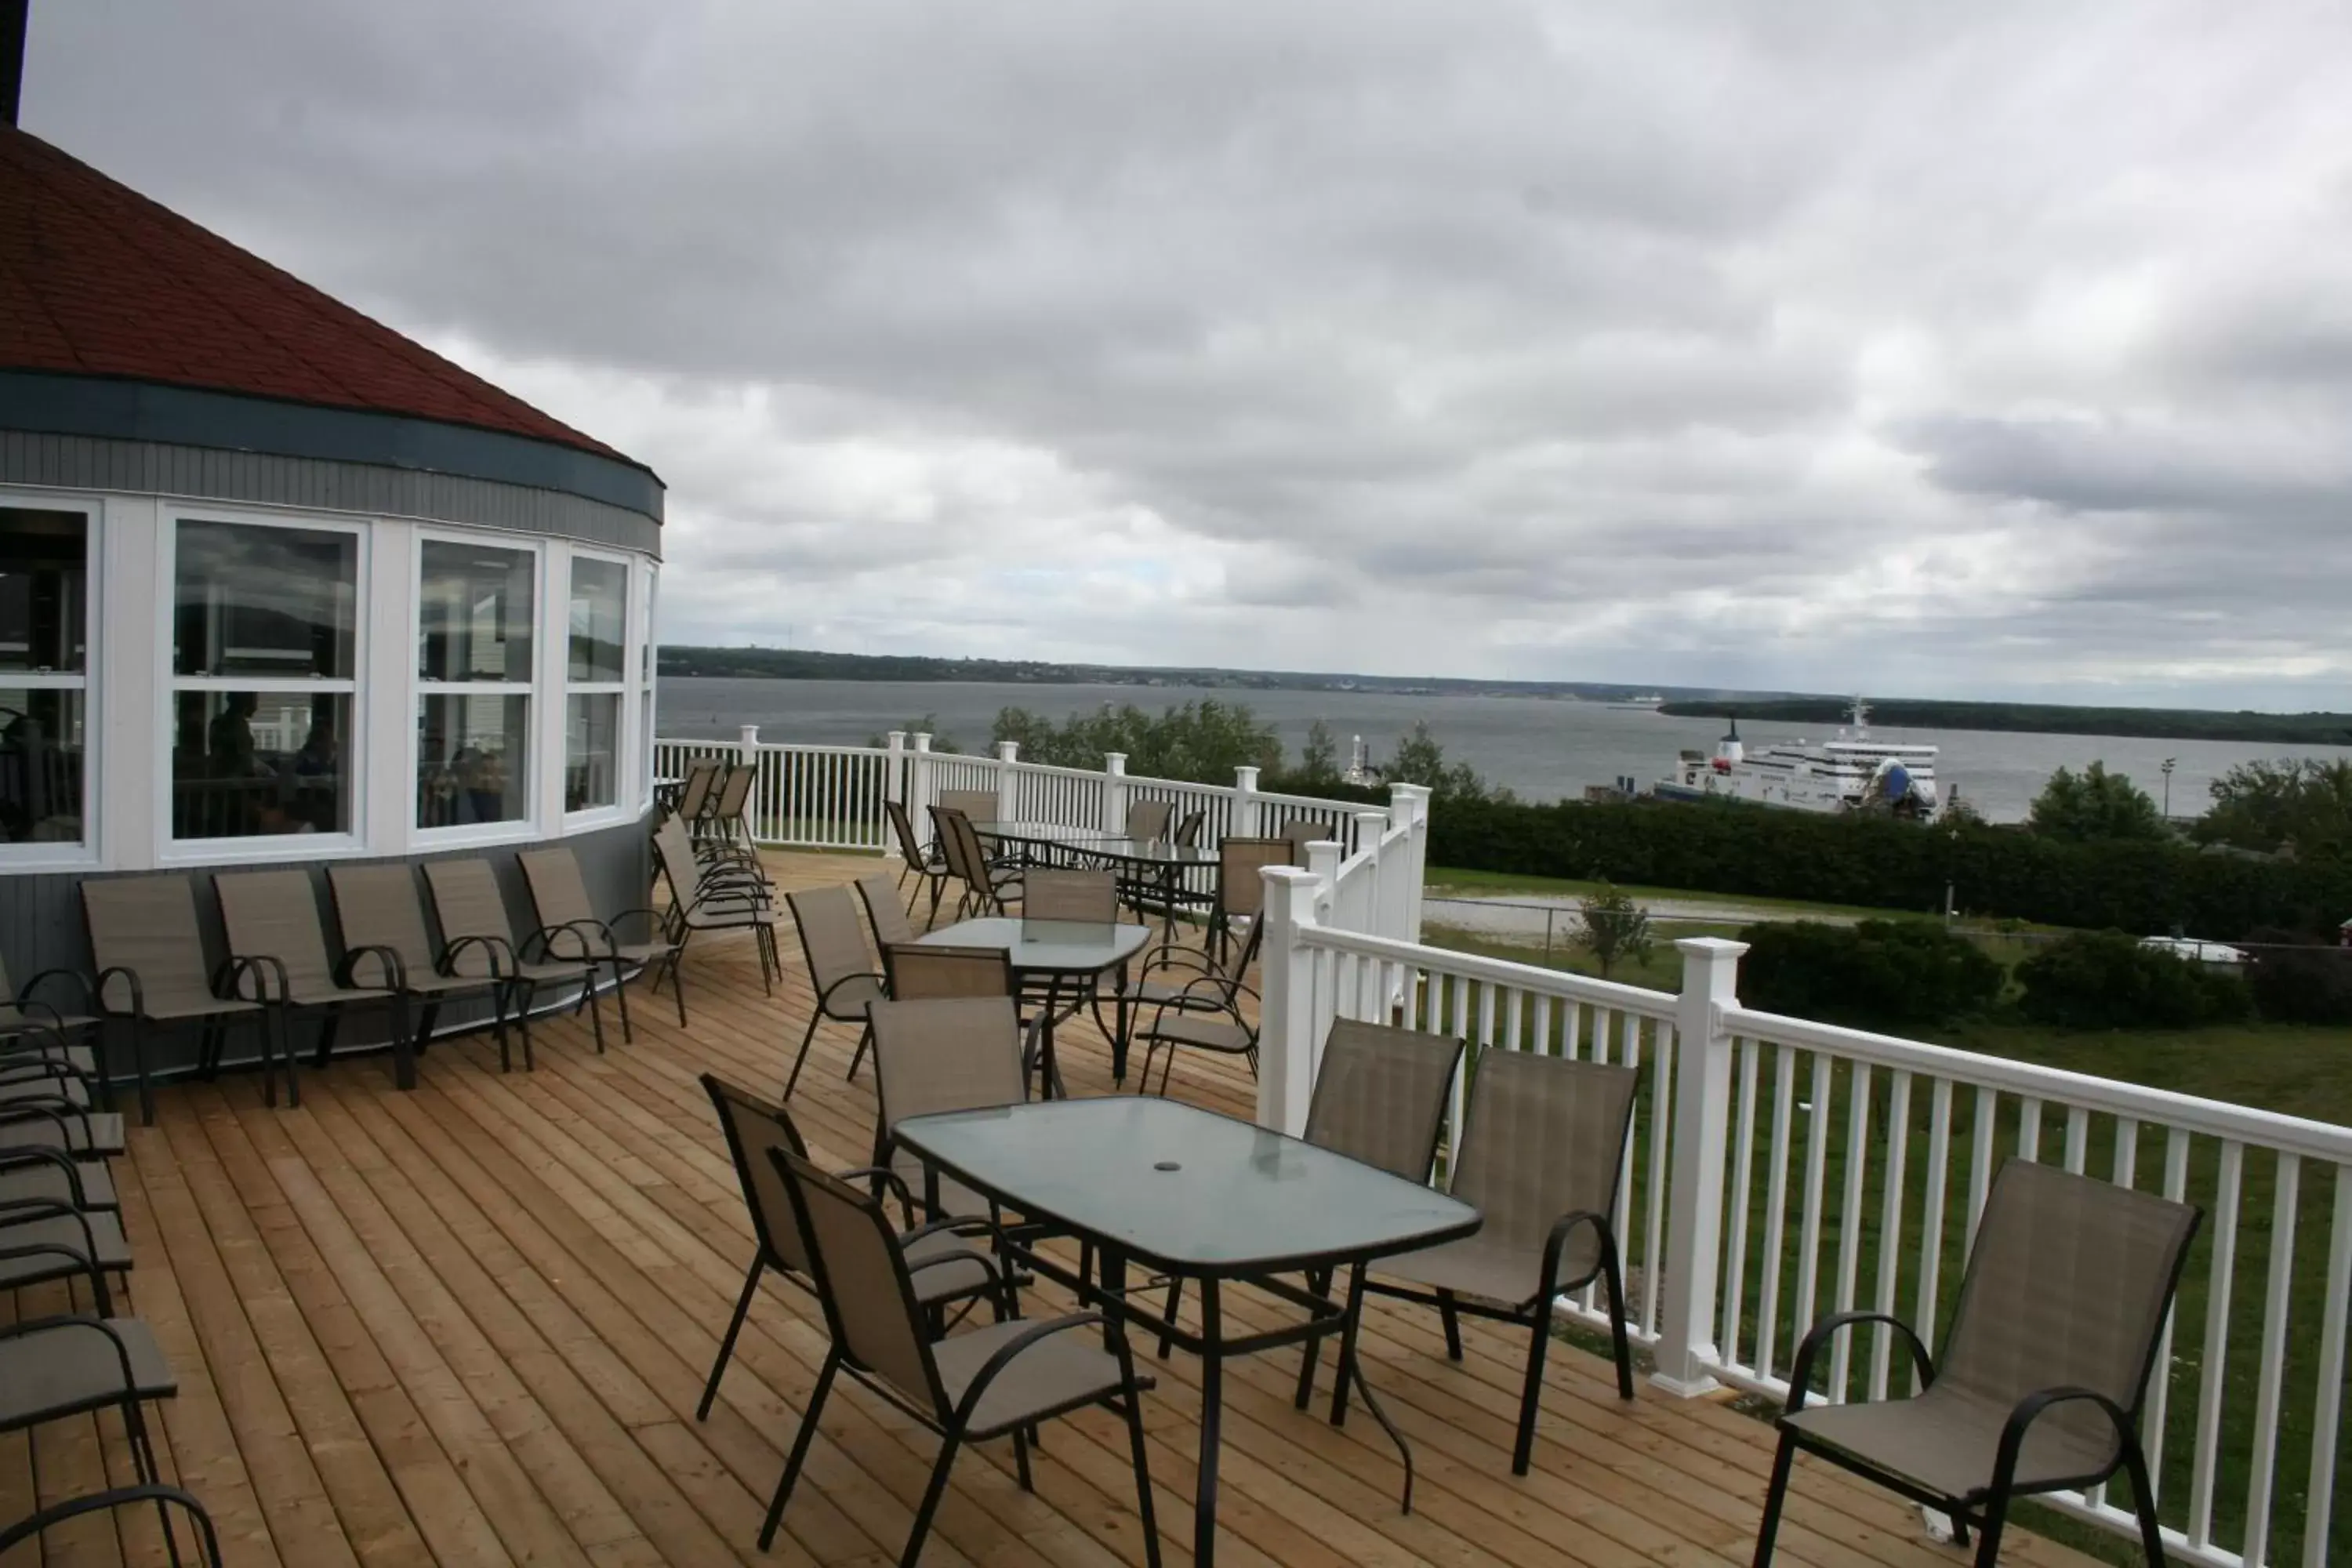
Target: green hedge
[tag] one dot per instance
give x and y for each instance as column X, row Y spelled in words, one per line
column 1878, row 974
column 1879, row 862
column 2106, row 980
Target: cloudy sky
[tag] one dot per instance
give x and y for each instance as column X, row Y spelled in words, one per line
column 1990, row 349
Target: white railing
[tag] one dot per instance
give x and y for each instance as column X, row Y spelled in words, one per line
column 834, row 797
column 1781, row 1169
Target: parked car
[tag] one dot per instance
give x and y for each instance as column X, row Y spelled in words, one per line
column 2202, row 951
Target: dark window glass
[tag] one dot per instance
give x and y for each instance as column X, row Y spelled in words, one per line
column 591, row 750
column 476, row 610
column 246, row 764
column 599, row 597
column 472, row 759
column 44, row 592
column 40, row 764
column 264, row 602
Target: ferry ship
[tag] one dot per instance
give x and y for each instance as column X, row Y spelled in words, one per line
column 1851, row 773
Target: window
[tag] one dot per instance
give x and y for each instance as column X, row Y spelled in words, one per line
column 475, row 606
column 651, row 579
column 263, row 658
column 44, row 675
column 596, row 674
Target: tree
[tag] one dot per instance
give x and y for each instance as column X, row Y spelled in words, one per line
column 1318, row 759
column 928, row 724
column 1615, row 928
column 1199, row 742
column 2094, row 804
column 1421, row 760
column 2303, row 802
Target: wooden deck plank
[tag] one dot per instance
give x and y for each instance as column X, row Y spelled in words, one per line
column 469, row 1326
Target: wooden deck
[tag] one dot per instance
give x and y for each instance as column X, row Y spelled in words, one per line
column 469, row 1326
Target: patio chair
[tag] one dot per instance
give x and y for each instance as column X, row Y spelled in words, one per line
column 1188, row 829
column 714, row 898
column 979, row 804
column 271, row 918
column 32, row 1174
column 842, row 975
column 1539, row 1155
column 986, row 883
column 2044, row 1366
column 1201, row 1012
column 150, row 971
column 722, row 833
column 482, row 942
column 206, row 1543
column 993, row 1382
column 924, row 972
column 927, row 864
column 1241, row 883
column 694, row 789
column 950, row 1271
column 73, row 1363
column 890, row 923
column 1301, row 831
column 1147, row 820
column 1069, row 898
column 942, row 1054
column 44, row 1240
column 570, row 928
column 378, row 914
column 30, row 1023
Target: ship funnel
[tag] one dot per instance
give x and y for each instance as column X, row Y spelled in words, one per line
column 1729, row 751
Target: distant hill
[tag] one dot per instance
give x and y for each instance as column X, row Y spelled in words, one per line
column 2041, row 718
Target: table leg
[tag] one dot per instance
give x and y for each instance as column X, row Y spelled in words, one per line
column 1119, row 1037
column 1204, row 1499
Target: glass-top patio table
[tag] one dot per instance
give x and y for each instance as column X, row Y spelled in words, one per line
column 1064, row 954
column 1199, row 1196
column 1158, row 864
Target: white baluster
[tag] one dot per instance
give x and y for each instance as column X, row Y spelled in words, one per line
column 1008, row 781
column 1246, row 823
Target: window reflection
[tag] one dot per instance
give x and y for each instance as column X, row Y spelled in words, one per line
column 599, row 597
column 473, row 755
column 264, row 602
column 591, row 750
column 40, row 765
column 44, row 654
column 249, row 763
column 476, row 606
column 44, row 595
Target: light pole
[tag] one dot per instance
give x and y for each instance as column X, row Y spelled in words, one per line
column 2167, row 771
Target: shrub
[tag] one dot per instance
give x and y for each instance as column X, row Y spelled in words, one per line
column 1880, row 974
column 2106, row 980
column 2296, row 981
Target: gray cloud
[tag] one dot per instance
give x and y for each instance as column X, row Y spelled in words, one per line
column 1998, row 350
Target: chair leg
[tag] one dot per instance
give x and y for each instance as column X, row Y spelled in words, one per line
column 1539, row 1345
column 801, row 1056
column 1996, row 1516
column 589, row 999
column 286, row 1055
column 727, row 1341
column 2151, row 1534
column 864, row 1039
column 1175, row 1296
column 1615, row 1278
column 525, row 995
column 1774, row 1493
column 1143, row 1508
column 1345, row 1373
column 405, row 1042
column 1451, row 1318
column 1021, row 1459
column 931, row 1495
column 139, row 1066
column 328, row 1027
column 1319, row 1281
column 621, row 1000
column 678, row 984
column 800, row 1449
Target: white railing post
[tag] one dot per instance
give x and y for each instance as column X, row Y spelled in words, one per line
column 1245, row 804
column 1286, row 1045
column 748, row 749
column 920, row 791
column 747, row 745
column 1701, row 1125
column 1414, row 801
column 894, row 772
column 1114, row 810
column 1008, row 782
column 1323, row 858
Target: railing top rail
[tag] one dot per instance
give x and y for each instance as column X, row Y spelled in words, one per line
column 1151, row 781
column 1351, row 808
column 2294, row 1135
column 799, row 749
column 1496, row 971
column 1057, row 771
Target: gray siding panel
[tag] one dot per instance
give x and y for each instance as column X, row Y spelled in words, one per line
column 41, row 928
column 148, row 467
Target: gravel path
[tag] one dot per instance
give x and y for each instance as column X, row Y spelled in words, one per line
column 1523, row 917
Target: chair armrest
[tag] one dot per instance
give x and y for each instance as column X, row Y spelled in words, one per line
column 129, row 977
column 492, row 945
column 824, row 997
column 394, row 972
column 652, row 917
column 14, row 1158
column 260, row 965
column 1011, row 1349
column 81, row 984
column 32, row 1068
column 885, row 1174
column 1800, row 1371
column 2029, row 1409
column 77, row 1321
column 580, row 931
column 32, row 1525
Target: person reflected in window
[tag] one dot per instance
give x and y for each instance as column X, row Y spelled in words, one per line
column 316, row 784
column 481, row 786
column 229, row 741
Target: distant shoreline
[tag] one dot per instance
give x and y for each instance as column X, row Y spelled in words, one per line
column 2026, row 717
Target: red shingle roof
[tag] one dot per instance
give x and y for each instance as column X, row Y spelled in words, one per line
column 96, row 279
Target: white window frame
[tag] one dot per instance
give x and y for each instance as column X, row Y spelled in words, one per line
column 622, row 807
column 647, row 656
column 88, row 680
column 527, row 826
column 171, row 850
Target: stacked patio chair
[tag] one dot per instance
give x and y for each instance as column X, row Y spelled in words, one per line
column 482, row 942
column 938, row 1054
column 570, row 928
column 722, row 834
column 205, row 1542
column 694, row 789
column 151, row 972
column 706, row 897
column 2044, row 1369
column 997, row 1381
column 927, row 864
column 271, row 918
column 1539, row 1155
column 382, row 918
column 30, row 1023
column 75, row 1363
column 987, row 884
column 947, row 1271
column 843, row 974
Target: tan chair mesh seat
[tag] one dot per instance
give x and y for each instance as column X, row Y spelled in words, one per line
column 891, row 925
column 985, row 1382
column 922, row 971
column 1539, row 1155
column 721, row 828
column 693, row 790
column 979, row 804
column 150, row 955
column 1148, row 819
column 1189, row 830
column 985, row 882
column 843, row 974
column 706, row 897
column 1301, row 831
column 1070, row 898
column 1196, row 997
column 949, row 1270
column 481, row 941
column 271, row 918
column 1241, row 883
column 2050, row 1350
column 937, row 1055
column 570, row 928
column 378, row 911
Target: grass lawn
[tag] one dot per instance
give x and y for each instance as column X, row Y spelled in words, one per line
column 1446, row 880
